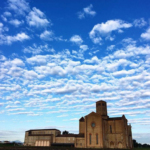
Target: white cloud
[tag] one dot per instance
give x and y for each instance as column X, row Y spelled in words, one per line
column 7, row 14
column 15, row 71
column 37, row 18
column 76, row 39
column 81, row 15
column 2, row 58
column 104, row 29
column 102, row 87
column 139, row 22
column 114, row 66
column 39, row 59
column 64, row 115
column 92, row 60
column 1, row 104
column 123, row 72
column 84, row 47
column 47, row 35
column 10, row 39
column 146, row 35
column 16, row 102
column 30, row 74
column 38, row 49
column 1, row 27
column 86, row 11
column 22, row 113
column 17, row 62
column 111, row 47
column 16, row 22
column 16, row 109
column 74, row 119
column 19, row 6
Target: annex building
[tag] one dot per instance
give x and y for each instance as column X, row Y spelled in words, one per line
column 96, row 130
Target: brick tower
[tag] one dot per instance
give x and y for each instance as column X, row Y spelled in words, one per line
column 101, row 108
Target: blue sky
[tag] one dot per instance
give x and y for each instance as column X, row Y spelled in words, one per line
column 57, row 58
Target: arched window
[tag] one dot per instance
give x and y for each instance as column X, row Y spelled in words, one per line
column 90, row 138
column 111, row 144
column 96, row 138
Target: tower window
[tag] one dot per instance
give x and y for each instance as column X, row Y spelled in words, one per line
column 99, row 104
column 103, row 104
column 96, row 138
column 110, row 129
column 90, row 139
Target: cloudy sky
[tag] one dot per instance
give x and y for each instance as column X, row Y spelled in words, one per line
column 57, row 58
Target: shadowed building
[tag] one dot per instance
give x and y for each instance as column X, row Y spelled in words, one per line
column 96, row 130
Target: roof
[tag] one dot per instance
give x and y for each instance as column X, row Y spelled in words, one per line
column 114, row 118
column 61, row 144
column 100, row 101
column 43, row 129
column 40, row 134
column 93, row 113
column 81, row 119
column 71, row 135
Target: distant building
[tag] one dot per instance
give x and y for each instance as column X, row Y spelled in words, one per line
column 96, row 130
column 6, row 142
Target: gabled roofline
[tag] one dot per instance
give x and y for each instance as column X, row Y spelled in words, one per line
column 101, row 101
column 42, row 129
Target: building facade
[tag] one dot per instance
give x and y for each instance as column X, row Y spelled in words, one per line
column 96, row 130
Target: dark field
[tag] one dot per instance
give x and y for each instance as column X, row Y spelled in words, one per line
column 10, row 147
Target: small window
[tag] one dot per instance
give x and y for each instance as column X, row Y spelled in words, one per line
column 103, row 104
column 80, row 144
column 110, row 129
column 99, row 104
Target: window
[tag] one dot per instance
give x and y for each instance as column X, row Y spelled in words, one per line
column 80, row 144
column 110, row 129
column 103, row 104
column 99, row 104
column 96, row 138
column 90, row 138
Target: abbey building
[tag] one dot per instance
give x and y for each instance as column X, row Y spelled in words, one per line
column 96, row 130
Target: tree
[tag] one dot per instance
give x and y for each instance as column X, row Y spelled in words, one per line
column 65, row 132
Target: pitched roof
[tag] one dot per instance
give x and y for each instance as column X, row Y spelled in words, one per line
column 40, row 134
column 71, row 135
column 81, row 119
column 114, row 118
column 43, row 129
column 101, row 101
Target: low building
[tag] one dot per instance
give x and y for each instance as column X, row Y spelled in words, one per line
column 6, row 142
column 96, row 130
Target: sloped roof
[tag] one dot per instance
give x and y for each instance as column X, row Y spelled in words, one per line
column 114, row 118
column 71, row 135
column 81, row 119
column 43, row 129
column 101, row 101
column 92, row 113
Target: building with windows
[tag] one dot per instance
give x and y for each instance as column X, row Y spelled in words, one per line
column 96, row 130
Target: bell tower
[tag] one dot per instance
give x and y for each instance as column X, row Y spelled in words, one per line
column 101, row 108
